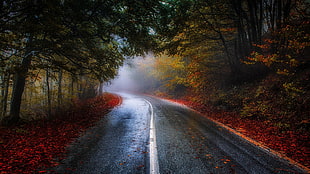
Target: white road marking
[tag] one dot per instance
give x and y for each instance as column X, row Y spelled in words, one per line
column 154, row 168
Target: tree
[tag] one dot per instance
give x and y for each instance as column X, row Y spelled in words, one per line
column 216, row 39
column 170, row 71
column 284, row 51
column 77, row 36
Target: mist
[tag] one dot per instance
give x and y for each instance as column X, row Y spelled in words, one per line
column 133, row 76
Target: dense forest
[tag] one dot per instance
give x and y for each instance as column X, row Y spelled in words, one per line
column 244, row 59
column 244, row 63
column 250, row 57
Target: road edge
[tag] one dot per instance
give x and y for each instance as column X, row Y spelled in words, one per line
column 246, row 138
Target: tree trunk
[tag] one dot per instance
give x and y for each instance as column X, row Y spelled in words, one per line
column 2, row 82
column 72, row 86
column 5, row 93
column 287, row 10
column 279, row 14
column 252, row 22
column 48, row 92
column 59, row 92
column 100, row 90
column 18, row 89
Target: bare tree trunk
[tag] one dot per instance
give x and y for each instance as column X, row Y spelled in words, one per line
column 100, row 90
column 2, row 82
column 5, row 93
column 48, row 92
column 31, row 93
column 279, row 13
column 72, row 85
column 287, row 10
column 252, row 21
column 59, row 92
column 18, row 89
column 81, row 87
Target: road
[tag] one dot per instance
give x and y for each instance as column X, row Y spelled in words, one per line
column 150, row 135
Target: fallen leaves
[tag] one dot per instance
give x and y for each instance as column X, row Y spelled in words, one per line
column 140, row 166
column 36, row 146
column 225, row 160
column 293, row 144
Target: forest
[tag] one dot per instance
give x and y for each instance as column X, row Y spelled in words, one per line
column 249, row 57
column 246, row 58
column 242, row 63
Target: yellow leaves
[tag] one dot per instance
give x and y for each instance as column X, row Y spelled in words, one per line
column 169, row 69
column 290, row 87
column 179, row 37
column 268, row 60
column 283, row 72
column 164, row 61
column 283, row 63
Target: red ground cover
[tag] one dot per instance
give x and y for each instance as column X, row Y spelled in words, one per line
column 34, row 147
column 293, row 144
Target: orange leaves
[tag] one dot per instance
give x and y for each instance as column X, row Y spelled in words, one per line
column 283, row 50
column 261, row 46
column 228, row 29
column 225, row 161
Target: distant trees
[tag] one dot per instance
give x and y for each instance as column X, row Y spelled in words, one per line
column 229, row 42
column 237, row 26
column 83, row 39
column 171, row 72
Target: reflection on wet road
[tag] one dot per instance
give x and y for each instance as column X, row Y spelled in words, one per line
column 118, row 144
column 185, row 143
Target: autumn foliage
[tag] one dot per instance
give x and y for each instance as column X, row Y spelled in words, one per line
column 37, row 146
column 245, row 64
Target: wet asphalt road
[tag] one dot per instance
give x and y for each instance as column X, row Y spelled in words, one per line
column 185, row 143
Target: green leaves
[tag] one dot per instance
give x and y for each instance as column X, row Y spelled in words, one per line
column 85, row 38
column 79, row 32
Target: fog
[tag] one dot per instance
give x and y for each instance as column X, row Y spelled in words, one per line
column 123, row 81
column 133, row 76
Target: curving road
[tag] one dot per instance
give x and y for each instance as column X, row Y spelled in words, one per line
column 149, row 135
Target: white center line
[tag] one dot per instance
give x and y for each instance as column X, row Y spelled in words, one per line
column 154, row 168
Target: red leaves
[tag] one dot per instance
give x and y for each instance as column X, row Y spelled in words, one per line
column 34, row 146
column 290, row 143
column 293, row 144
